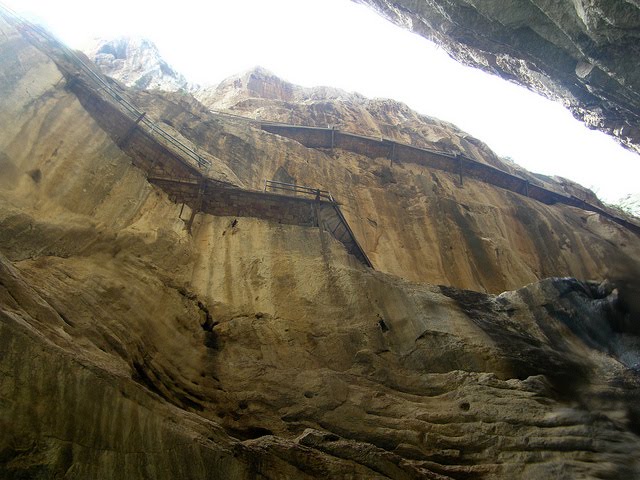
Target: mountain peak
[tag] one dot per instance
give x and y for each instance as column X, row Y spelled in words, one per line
column 260, row 83
column 136, row 62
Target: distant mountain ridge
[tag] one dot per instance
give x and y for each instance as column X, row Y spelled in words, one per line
column 137, row 63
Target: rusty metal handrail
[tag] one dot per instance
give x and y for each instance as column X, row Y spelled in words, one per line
column 291, row 187
column 154, row 129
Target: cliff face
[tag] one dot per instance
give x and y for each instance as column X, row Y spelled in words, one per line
column 246, row 348
column 415, row 222
column 261, row 95
column 582, row 54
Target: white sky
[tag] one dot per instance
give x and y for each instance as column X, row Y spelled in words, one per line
column 341, row 44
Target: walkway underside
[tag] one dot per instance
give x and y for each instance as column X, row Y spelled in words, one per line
column 211, row 197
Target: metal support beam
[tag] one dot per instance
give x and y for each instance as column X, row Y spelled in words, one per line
column 197, row 206
column 153, row 165
column 71, row 82
column 316, row 215
column 127, row 136
column 459, row 158
column 184, row 181
column 392, row 155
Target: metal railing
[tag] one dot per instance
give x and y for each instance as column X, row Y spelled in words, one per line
column 290, row 187
column 153, row 129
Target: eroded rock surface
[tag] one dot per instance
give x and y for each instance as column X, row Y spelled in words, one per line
column 582, row 54
column 137, row 63
column 412, row 221
column 131, row 348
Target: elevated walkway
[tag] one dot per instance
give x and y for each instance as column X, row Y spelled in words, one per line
column 328, row 216
column 175, row 166
column 312, row 209
column 459, row 165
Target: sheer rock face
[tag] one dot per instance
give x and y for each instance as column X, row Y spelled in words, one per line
column 414, row 222
column 248, row 349
column 137, row 63
column 262, row 95
column 582, row 53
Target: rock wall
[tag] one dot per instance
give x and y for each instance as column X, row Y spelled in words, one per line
column 582, row 54
column 413, row 222
column 253, row 350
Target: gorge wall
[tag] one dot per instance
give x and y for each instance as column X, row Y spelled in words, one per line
column 250, row 349
column 415, row 222
column 582, row 53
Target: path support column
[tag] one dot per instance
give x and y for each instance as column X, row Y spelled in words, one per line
column 197, row 206
column 129, row 133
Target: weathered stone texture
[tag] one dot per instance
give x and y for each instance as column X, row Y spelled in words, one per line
column 412, row 221
column 582, row 53
column 255, row 350
column 137, row 63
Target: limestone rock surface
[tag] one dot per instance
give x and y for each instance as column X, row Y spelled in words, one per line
column 137, row 63
column 582, row 53
column 415, row 222
column 248, row 349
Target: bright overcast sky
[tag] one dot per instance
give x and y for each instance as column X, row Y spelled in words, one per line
column 342, row 44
